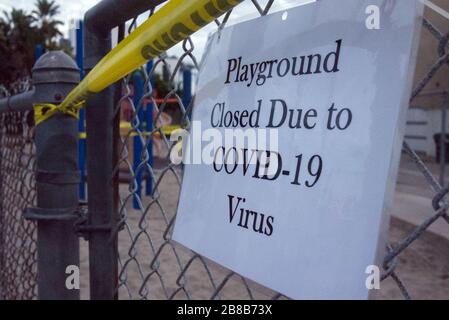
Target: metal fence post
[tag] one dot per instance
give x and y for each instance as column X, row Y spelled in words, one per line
column 102, row 135
column 55, row 74
column 38, row 51
column 100, row 157
column 138, row 83
column 81, row 125
column 149, row 128
column 187, row 85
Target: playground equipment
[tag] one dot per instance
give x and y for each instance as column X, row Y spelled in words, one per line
column 145, row 118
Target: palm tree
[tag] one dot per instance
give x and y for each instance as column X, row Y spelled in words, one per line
column 18, row 19
column 20, row 39
column 44, row 16
column 20, row 32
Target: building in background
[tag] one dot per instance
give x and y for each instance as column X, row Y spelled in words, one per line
column 424, row 118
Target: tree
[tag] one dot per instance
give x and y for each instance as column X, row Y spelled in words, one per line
column 17, row 42
column 44, row 16
column 20, row 32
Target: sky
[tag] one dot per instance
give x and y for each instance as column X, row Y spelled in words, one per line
column 69, row 8
column 75, row 9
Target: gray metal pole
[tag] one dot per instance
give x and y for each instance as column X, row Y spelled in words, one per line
column 108, row 14
column 55, row 74
column 102, row 136
column 18, row 102
column 102, row 216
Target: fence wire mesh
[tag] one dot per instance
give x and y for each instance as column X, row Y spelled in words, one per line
column 151, row 265
column 18, row 237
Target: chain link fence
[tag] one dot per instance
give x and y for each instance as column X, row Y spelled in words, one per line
column 151, row 265
column 18, row 237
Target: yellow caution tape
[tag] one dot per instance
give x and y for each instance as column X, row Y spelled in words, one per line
column 125, row 125
column 168, row 26
column 166, row 130
column 44, row 111
column 170, row 128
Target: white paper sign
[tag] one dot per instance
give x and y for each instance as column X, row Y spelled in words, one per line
column 332, row 80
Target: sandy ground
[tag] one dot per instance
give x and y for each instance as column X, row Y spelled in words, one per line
column 152, row 267
column 423, row 267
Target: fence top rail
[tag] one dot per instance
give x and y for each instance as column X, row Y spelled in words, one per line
column 19, row 102
column 108, row 14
